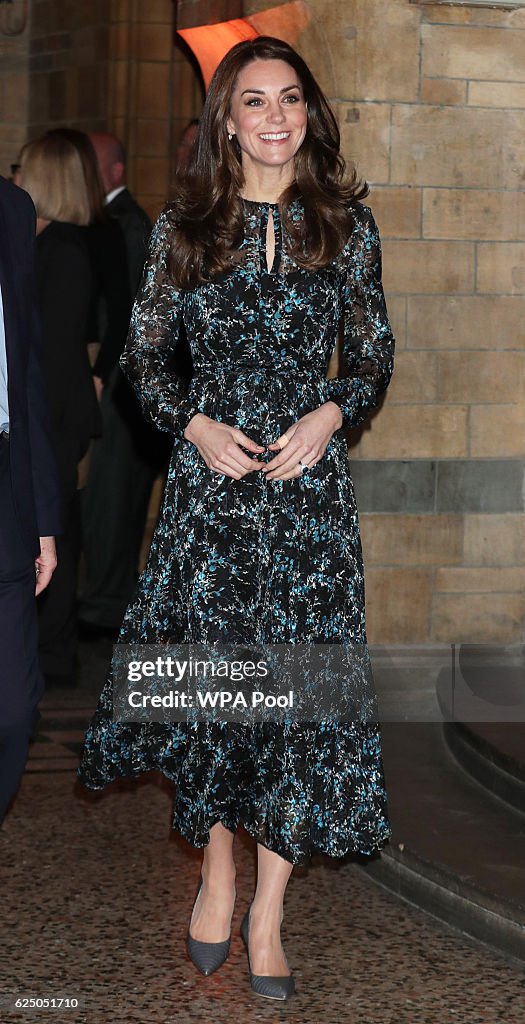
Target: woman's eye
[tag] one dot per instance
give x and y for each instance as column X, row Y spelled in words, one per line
column 253, row 102
column 292, row 97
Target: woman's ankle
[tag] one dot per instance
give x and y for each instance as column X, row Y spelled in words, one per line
column 218, row 877
column 268, row 915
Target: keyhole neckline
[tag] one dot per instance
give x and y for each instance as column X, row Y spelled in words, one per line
column 269, row 212
column 260, row 202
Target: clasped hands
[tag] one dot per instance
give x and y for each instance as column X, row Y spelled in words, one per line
column 307, row 440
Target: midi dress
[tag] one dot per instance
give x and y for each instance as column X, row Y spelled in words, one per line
column 255, row 559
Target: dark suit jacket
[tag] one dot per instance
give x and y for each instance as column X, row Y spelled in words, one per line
column 65, row 287
column 110, row 311
column 136, row 228
column 36, row 491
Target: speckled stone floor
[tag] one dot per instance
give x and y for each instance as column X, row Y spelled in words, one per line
column 97, row 892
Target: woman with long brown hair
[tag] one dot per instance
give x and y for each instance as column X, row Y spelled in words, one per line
column 266, row 250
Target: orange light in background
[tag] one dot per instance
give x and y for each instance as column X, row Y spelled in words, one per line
column 285, row 22
column 210, row 43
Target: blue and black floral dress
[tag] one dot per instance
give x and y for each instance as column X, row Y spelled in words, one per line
column 257, row 560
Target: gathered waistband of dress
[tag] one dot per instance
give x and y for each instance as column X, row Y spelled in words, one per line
column 289, row 372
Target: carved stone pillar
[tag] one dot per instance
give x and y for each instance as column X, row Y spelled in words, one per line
column 153, row 91
column 14, row 80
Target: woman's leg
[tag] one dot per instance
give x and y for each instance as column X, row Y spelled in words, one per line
column 211, row 918
column 266, row 952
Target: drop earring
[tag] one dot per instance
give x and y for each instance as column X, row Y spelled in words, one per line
column 230, row 136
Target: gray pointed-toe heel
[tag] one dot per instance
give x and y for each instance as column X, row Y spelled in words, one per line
column 278, row 987
column 207, row 956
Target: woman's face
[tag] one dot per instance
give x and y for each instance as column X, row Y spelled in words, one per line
column 268, row 113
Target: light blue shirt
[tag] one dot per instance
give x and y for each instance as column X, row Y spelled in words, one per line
column 4, row 404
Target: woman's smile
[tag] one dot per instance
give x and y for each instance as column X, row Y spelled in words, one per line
column 274, row 138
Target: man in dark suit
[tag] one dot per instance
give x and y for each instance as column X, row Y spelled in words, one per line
column 128, row 457
column 30, row 508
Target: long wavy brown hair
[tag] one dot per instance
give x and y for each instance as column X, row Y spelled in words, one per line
column 207, row 214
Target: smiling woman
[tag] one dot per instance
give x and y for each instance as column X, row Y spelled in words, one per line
column 264, row 255
column 267, row 133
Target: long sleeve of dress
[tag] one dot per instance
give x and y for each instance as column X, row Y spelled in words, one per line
column 368, row 343
column 147, row 360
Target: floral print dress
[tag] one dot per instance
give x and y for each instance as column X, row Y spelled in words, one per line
column 257, row 560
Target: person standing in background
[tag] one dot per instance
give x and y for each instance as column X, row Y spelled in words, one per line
column 111, row 298
column 120, row 204
column 30, row 502
column 52, row 174
column 130, row 454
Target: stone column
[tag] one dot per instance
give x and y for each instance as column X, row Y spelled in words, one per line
column 153, row 92
column 14, row 81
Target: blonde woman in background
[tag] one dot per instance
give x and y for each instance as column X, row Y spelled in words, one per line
column 51, row 171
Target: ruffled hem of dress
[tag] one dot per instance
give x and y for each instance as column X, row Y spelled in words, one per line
column 297, row 859
column 361, row 843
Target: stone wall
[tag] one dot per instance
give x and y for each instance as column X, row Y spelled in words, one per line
column 54, row 73
column 68, row 65
column 153, row 93
column 14, row 87
column 101, row 64
column 431, row 102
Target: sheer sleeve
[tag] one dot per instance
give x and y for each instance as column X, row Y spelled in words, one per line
column 368, row 343
column 147, row 359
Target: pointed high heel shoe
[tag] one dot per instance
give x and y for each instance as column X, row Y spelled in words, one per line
column 207, row 956
column 278, row 987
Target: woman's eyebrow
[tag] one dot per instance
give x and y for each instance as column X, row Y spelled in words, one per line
column 260, row 92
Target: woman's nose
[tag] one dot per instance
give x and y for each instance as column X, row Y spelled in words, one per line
column 276, row 114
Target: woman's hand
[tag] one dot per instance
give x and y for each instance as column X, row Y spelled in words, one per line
column 307, row 442
column 219, row 443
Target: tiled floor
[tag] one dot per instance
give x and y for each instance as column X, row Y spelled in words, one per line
column 97, row 892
